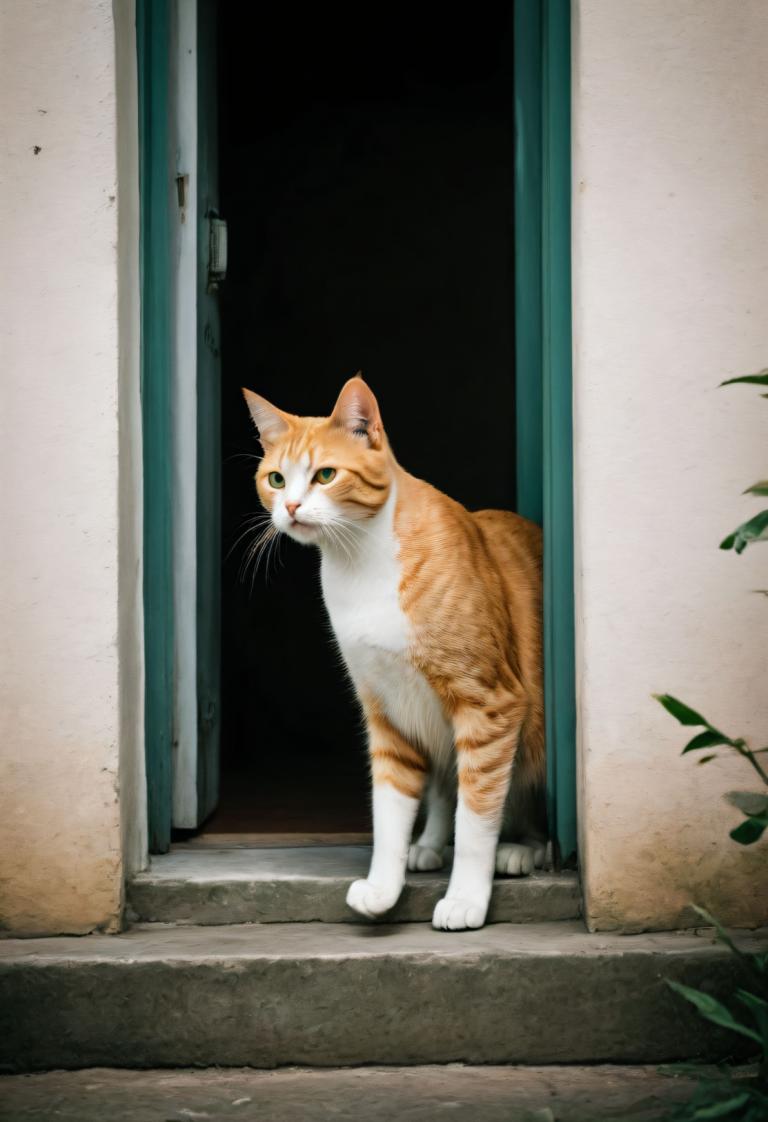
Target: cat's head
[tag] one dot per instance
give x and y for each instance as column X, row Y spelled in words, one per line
column 320, row 477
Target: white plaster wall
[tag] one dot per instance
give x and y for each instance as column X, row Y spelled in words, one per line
column 61, row 457
column 670, row 297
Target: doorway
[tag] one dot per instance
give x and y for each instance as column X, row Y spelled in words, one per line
column 398, row 208
column 368, row 186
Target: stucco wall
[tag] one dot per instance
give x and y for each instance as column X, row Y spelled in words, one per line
column 61, row 456
column 670, row 297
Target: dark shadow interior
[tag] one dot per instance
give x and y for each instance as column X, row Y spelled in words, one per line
column 367, row 178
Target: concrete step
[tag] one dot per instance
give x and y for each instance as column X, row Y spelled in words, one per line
column 309, row 884
column 326, row 994
column 361, row 1094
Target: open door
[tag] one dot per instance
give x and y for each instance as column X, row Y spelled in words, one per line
column 199, row 265
column 183, row 260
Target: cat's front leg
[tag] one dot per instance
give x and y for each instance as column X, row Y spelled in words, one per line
column 484, row 767
column 398, row 771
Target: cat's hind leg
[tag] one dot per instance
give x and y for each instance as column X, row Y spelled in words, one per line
column 427, row 851
column 516, row 859
column 486, row 742
column 399, row 772
column 524, row 832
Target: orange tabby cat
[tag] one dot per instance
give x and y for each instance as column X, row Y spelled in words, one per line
column 437, row 612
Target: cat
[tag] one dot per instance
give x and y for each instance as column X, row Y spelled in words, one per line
column 437, row 613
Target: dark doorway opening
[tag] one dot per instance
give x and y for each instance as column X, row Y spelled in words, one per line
column 367, row 178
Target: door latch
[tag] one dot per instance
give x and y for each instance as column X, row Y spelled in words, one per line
column 217, row 251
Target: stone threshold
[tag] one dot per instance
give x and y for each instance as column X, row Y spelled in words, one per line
column 303, row 884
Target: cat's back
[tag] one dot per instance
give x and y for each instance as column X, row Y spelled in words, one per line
column 514, row 542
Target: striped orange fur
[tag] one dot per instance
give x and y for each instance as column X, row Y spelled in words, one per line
column 437, row 611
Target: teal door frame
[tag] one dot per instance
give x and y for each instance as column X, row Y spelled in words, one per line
column 156, row 185
column 543, row 367
column 543, row 392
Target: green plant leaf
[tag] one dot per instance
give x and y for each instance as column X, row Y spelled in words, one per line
column 681, row 713
column 753, row 1001
column 760, row 488
column 749, row 802
column 750, row 830
column 755, row 964
column 707, row 739
column 714, row 1010
column 722, row 934
column 760, row 379
column 755, row 530
column 721, row 1109
column 706, row 759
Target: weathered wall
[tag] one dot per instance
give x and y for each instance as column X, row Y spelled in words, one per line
column 64, row 649
column 670, row 297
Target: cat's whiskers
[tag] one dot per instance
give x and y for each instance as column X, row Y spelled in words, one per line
column 265, row 554
column 348, row 536
column 252, row 522
column 257, row 525
column 243, row 456
column 249, row 556
column 354, row 525
column 335, row 538
column 341, row 536
column 253, row 555
column 271, row 544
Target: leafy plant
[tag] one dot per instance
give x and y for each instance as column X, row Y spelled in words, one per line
column 730, row 1094
column 752, row 804
column 756, row 528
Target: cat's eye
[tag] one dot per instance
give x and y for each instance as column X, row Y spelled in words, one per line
column 276, row 480
column 324, row 475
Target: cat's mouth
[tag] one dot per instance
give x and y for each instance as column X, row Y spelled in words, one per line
column 302, row 529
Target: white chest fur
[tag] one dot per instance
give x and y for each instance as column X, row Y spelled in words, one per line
column 374, row 633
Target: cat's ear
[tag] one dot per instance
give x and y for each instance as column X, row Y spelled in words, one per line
column 271, row 422
column 357, row 412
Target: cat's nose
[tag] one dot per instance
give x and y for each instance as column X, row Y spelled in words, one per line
column 292, row 508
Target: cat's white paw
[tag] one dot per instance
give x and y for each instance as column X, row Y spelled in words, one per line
column 369, row 899
column 422, row 858
column 453, row 913
column 542, row 858
column 515, row 860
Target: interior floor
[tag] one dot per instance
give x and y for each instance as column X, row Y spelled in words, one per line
column 368, row 186
column 293, row 798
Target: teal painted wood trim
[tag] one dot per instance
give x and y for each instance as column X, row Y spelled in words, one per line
column 152, row 36
column 559, row 660
column 528, row 314
column 543, row 366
